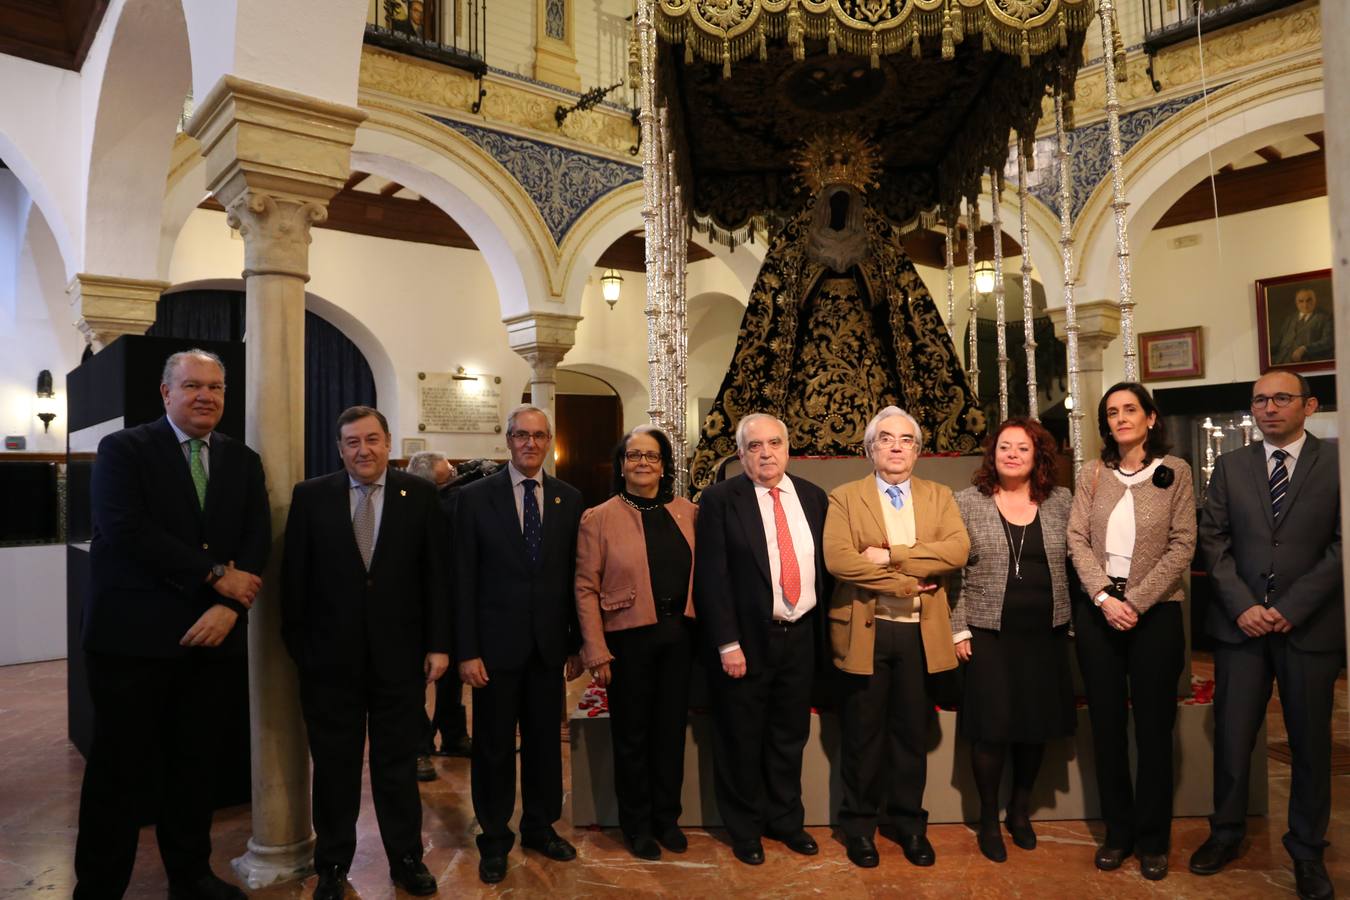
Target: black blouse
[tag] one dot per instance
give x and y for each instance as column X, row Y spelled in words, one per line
column 669, row 559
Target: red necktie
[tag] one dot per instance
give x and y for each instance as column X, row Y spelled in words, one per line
column 787, row 557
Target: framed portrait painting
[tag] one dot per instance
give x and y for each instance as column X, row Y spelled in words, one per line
column 1295, row 322
column 1168, row 355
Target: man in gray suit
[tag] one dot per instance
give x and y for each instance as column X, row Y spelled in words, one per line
column 1307, row 336
column 1270, row 536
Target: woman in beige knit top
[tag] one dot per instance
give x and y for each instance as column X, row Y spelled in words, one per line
column 1132, row 537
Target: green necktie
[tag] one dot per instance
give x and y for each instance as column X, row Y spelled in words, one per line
column 197, row 469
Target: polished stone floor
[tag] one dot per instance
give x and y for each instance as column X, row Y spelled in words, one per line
column 39, row 797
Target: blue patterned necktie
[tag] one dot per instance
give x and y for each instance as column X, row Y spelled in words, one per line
column 534, row 524
column 897, row 499
column 1279, row 482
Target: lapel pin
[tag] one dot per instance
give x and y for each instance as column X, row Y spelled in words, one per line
column 403, row 493
column 557, row 499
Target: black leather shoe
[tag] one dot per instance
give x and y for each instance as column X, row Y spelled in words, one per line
column 1310, row 876
column 643, row 846
column 492, row 869
column 673, row 839
column 1213, row 855
column 801, row 842
column 917, row 849
column 749, row 852
column 551, row 844
column 426, row 771
column 990, row 841
column 332, row 884
column 410, row 874
column 1153, row 866
column 207, row 887
column 1023, row 835
column 862, row 852
column 1108, row 859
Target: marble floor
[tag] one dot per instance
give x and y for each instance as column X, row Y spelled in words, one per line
column 39, row 798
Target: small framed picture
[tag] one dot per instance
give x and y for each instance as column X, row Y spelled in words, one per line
column 409, row 446
column 1173, row 354
column 1294, row 322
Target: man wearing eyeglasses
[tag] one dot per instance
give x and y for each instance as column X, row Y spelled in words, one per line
column 890, row 541
column 515, row 631
column 1270, row 536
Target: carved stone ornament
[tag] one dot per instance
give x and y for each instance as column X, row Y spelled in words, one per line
column 275, row 232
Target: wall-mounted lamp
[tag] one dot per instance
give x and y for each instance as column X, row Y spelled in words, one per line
column 984, row 277
column 610, row 284
column 46, row 399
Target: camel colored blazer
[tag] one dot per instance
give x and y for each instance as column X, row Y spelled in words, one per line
column 940, row 548
column 613, row 583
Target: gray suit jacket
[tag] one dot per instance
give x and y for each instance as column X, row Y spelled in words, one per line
column 1241, row 544
column 978, row 598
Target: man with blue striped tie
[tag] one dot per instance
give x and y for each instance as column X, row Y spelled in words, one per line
column 1270, row 536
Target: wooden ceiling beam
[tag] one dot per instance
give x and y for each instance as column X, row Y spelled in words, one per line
column 390, row 189
column 1287, row 180
column 1269, row 154
column 1319, row 138
column 928, row 248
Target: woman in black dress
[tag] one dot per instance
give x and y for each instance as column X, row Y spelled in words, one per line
column 1010, row 623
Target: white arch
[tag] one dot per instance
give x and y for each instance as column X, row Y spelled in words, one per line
column 632, row 392
column 604, row 222
column 26, row 138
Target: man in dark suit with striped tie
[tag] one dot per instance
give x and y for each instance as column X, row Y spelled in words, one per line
column 515, row 629
column 1270, row 535
column 366, row 616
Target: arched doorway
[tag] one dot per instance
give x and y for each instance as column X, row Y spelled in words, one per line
column 588, row 417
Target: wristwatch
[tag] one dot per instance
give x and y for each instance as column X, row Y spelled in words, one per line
column 1099, row 598
column 217, row 573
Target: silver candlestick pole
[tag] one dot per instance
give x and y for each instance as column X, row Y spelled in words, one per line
column 951, row 281
column 1066, row 261
column 973, row 347
column 1028, row 307
column 1000, row 313
column 1118, row 203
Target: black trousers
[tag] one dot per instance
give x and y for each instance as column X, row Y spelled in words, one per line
column 1135, row 669
column 153, row 719
column 1243, row 674
column 760, row 724
column 447, row 717
column 648, row 714
column 886, row 719
column 526, row 697
column 339, row 712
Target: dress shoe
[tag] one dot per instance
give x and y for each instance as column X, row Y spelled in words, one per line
column 425, row 770
column 1153, row 866
column 1108, row 859
column 492, row 869
column 207, row 887
column 410, row 874
column 917, row 849
column 1310, row 876
column 990, row 841
column 459, row 746
column 550, row 844
column 643, row 846
column 862, row 852
column 801, row 842
column 673, row 839
column 332, row 884
column 1213, row 855
column 749, row 852
column 1023, row 835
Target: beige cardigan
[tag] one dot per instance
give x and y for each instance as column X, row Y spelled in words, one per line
column 1164, row 537
column 613, row 583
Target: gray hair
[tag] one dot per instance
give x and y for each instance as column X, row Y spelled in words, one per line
column 423, row 464
column 751, row 419
column 870, row 434
column 172, row 362
column 524, row 408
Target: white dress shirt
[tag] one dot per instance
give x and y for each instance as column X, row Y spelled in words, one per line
column 518, row 493
column 376, row 501
column 1293, row 449
column 184, row 437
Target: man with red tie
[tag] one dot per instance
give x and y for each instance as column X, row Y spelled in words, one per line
column 759, row 578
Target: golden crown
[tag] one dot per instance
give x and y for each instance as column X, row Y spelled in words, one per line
column 838, row 157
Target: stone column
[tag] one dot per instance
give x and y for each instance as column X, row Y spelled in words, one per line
column 107, row 306
column 1336, row 75
column 274, row 158
column 543, row 339
column 1098, row 326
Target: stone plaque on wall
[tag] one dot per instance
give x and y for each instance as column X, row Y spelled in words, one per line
column 457, row 402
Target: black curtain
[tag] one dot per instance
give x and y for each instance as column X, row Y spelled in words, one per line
column 336, row 372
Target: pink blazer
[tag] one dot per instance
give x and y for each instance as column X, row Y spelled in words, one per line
column 613, row 584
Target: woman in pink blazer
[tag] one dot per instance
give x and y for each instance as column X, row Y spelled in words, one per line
column 635, row 566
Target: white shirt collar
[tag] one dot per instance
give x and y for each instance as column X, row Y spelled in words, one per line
column 183, row 436
column 518, row 476
column 1293, row 449
column 883, row 485
column 380, row 481
column 784, row 484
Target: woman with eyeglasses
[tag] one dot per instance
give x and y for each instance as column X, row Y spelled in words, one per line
column 1010, row 622
column 1132, row 538
column 635, row 564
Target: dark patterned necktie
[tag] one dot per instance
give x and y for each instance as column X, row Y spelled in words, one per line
column 1279, row 482
column 533, row 524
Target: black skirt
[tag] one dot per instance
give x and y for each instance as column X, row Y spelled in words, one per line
column 1018, row 687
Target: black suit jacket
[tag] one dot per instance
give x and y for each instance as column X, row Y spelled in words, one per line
column 1241, row 544
column 336, row 616
column 505, row 606
column 154, row 545
column 733, row 590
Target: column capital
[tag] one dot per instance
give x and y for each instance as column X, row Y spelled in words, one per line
column 543, row 339
column 1098, row 326
column 107, row 306
column 275, row 230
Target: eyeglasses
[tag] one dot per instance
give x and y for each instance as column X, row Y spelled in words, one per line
column 756, row 446
column 887, row 441
column 651, row 456
column 521, row 437
column 1281, row 400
